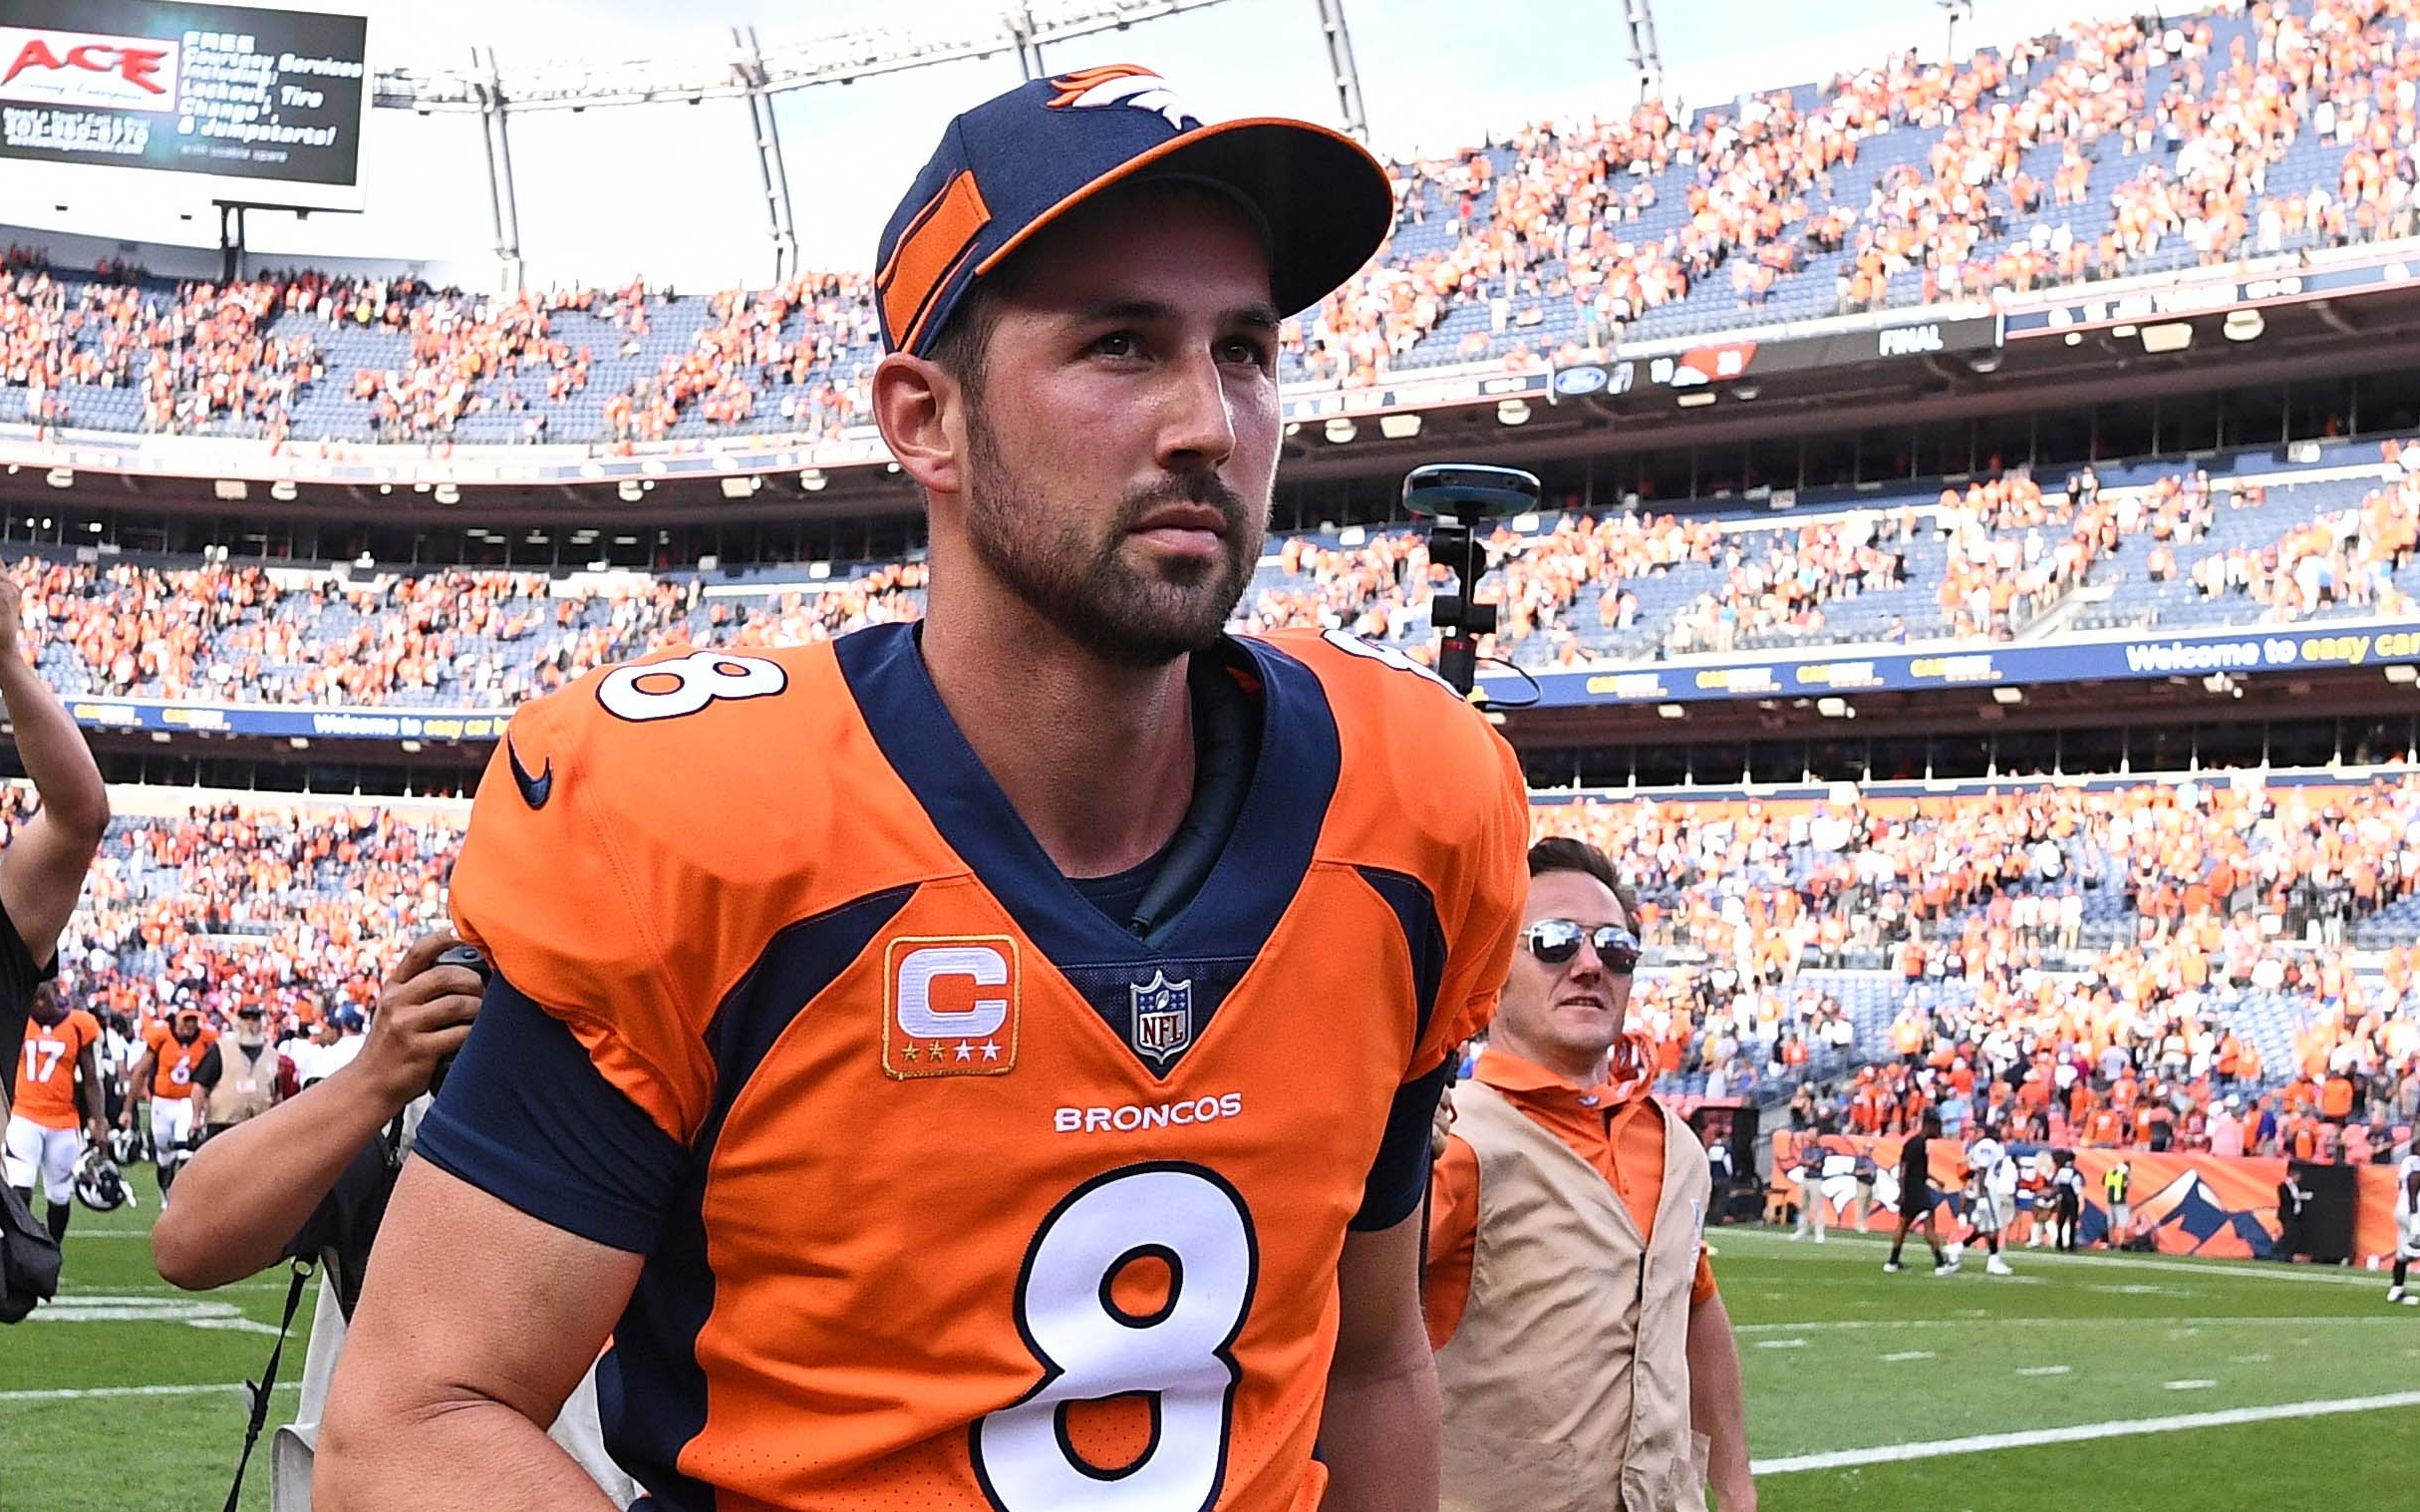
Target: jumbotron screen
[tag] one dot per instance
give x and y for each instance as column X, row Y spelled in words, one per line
column 270, row 96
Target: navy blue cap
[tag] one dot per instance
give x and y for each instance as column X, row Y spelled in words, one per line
column 1020, row 160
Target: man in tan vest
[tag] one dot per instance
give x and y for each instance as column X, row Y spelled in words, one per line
column 1585, row 1357
column 247, row 1074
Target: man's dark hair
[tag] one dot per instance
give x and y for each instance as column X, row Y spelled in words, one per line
column 966, row 341
column 1564, row 853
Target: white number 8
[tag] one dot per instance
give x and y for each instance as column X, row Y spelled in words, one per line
column 1090, row 1349
column 696, row 681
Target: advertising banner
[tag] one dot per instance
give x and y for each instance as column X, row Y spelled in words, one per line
column 1831, row 670
column 2189, row 1203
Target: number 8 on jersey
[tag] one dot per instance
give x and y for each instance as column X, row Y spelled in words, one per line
column 1090, row 1348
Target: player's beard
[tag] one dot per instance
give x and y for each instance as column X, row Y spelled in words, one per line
column 1086, row 585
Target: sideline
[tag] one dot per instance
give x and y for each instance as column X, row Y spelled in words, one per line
column 2315, row 1319
column 83, row 1393
column 1978, row 1443
column 2242, row 1270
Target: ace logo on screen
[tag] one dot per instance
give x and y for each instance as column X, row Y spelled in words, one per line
column 86, row 70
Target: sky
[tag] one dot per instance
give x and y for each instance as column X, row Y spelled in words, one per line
column 669, row 192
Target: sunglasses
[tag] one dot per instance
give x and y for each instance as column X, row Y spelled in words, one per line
column 1556, row 941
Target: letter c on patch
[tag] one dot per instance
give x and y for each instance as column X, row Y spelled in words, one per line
column 920, row 969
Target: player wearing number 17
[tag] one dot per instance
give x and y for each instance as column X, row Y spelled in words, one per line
column 983, row 1065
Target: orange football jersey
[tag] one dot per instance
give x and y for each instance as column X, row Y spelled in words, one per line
column 46, row 1069
column 174, row 1065
column 981, row 1200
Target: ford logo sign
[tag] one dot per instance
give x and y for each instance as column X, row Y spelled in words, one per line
column 1573, row 381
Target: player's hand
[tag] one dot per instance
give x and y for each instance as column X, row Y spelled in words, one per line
column 1440, row 1124
column 126, row 1118
column 424, row 1014
column 97, row 1133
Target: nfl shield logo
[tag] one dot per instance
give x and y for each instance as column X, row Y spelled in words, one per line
column 1163, row 1016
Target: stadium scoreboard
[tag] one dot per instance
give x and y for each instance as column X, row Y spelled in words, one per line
column 259, row 107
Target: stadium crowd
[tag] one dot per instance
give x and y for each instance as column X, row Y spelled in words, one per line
column 2098, row 962
column 2153, row 965
column 487, row 639
column 1978, row 565
column 1605, row 218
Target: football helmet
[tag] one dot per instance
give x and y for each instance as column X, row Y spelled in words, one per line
column 126, row 1145
column 100, row 1185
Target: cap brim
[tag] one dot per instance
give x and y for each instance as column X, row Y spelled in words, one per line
column 1328, row 204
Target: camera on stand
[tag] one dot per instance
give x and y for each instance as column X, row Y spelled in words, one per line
column 1457, row 498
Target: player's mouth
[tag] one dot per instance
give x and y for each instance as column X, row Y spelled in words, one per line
column 1187, row 529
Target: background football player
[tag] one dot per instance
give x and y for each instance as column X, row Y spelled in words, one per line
column 57, row 1103
column 1990, row 1202
column 2407, row 1228
column 178, row 1068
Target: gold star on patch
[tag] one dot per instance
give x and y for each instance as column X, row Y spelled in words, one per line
column 907, row 1052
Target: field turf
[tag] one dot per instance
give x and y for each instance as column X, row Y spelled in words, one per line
column 2164, row 1386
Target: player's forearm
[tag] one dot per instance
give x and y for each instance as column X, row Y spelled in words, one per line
column 53, row 752
column 1378, row 1433
column 387, row 1454
column 96, row 1106
column 249, row 1191
column 1718, row 1405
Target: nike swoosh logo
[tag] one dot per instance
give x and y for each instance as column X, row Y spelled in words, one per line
column 534, row 790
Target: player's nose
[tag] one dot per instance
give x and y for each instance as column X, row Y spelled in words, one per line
column 1197, row 424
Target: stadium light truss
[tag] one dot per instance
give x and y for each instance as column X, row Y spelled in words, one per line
column 784, row 63
column 756, row 69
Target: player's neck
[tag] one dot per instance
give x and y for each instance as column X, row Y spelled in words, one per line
column 1096, row 759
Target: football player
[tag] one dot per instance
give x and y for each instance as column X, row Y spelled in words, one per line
column 42, row 868
column 56, row 1104
column 1990, row 1202
column 2407, row 1228
column 988, row 1063
column 178, row 1068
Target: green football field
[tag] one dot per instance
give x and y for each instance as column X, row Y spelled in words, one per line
column 2095, row 1381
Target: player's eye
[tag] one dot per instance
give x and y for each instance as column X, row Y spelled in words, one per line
column 1117, row 344
column 1247, row 350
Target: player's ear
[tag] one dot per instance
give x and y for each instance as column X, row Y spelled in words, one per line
column 920, row 410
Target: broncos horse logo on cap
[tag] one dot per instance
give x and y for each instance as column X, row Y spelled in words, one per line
column 1127, row 84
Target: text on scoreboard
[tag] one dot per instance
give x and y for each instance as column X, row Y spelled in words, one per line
column 227, row 91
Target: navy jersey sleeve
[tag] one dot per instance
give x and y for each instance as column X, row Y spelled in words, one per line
column 1399, row 1175
column 526, row 1118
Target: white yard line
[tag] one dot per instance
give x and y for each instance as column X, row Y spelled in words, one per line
column 2252, row 1270
column 1980, row 1443
column 2050, row 1370
column 1829, row 1325
column 87, row 1392
column 1907, row 1355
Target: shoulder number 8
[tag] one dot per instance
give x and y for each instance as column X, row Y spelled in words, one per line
column 684, row 684
column 1089, row 1349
